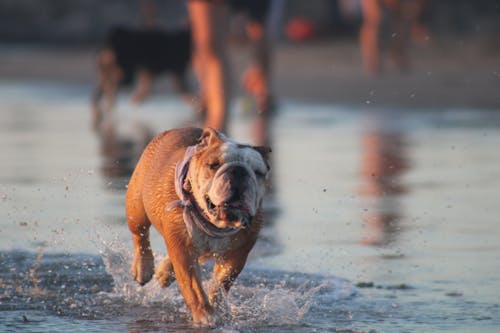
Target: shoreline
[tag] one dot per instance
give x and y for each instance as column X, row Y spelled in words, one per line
column 455, row 74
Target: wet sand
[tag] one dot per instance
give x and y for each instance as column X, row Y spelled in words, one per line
column 384, row 223
column 386, row 219
column 445, row 73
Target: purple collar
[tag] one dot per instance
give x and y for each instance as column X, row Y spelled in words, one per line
column 192, row 214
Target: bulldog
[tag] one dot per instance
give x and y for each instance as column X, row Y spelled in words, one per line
column 203, row 193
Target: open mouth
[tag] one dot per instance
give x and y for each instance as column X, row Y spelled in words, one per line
column 228, row 211
column 205, row 222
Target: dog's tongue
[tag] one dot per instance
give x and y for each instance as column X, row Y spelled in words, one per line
column 233, row 211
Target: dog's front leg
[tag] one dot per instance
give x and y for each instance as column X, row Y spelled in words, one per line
column 143, row 263
column 226, row 269
column 187, row 273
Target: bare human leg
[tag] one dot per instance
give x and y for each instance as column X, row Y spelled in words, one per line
column 210, row 22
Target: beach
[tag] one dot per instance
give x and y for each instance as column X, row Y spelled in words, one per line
column 445, row 73
column 383, row 215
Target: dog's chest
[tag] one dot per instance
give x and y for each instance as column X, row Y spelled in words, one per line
column 207, row 244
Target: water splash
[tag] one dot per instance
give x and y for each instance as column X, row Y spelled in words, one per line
column 117, row 260
column 260, row 297
column 85, row 287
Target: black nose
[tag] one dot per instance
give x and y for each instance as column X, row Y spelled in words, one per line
column 234, row 198
column 238, row 177
column 246, row 222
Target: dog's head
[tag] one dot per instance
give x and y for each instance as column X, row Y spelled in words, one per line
column 228, row 179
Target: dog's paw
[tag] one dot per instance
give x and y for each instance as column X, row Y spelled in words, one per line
column 205, row 319
column 142, row 268
column 165, row 273
column 219, row 301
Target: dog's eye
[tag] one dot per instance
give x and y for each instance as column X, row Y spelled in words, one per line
column 214, row 165
column 259, row 174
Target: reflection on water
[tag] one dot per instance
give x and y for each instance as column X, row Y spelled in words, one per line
column 384, row 162
column 121, row 146
column 384, row 221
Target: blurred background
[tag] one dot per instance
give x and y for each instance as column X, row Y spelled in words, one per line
column 454, row 48
column 383, row 211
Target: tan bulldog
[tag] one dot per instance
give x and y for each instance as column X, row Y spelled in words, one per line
column 203, row 193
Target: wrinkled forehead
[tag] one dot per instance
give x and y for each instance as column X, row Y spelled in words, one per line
column 235, row 152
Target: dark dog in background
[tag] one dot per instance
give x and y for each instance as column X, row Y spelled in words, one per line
column 139, row 55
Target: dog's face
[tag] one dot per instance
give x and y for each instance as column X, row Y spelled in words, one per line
column 228, row 179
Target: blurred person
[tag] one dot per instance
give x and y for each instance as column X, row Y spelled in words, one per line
column 210, row 21
column 384, row 161
column 210, row 27
column 148, row 10
column 403, row 17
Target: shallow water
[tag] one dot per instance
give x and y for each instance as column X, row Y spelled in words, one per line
column 380, row 220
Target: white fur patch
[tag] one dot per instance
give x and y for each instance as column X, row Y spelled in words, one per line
column 235, row 152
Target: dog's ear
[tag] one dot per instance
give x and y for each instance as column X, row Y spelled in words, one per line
column 265, row 152
column 208, row 137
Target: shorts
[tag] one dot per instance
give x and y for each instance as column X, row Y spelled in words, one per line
column 256, row 10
